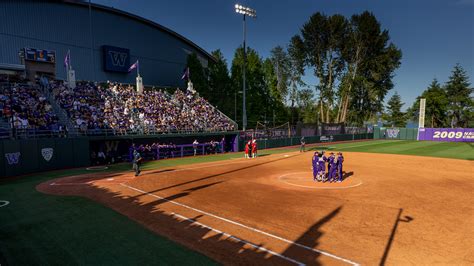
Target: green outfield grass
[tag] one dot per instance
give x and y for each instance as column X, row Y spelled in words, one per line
column 454, row 150
column 39, row 229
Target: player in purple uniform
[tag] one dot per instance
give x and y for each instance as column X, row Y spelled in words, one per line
column 322, row 166
column 332, row 168
column 315, row 165
column 340, row 160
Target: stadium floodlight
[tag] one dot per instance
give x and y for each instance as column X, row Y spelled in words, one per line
column 245, row 11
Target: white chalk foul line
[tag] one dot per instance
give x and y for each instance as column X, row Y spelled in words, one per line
column 244, row 226
column 97, row 168
column 4, row 203
column 70, row 184
column 296, row 185
column 229, row 236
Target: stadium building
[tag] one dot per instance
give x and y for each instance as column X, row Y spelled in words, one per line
column 35, row 37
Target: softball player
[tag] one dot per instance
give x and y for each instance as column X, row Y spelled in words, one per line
column 340, row 160
column 315, row 166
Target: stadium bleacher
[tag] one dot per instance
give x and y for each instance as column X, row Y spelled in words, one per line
column 53, row 108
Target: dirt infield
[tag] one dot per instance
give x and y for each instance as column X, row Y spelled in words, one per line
column 390, row 209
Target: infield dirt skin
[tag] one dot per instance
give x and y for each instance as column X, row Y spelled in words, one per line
column 392, row 209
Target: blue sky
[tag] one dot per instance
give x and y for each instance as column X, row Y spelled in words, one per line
column 433, row 35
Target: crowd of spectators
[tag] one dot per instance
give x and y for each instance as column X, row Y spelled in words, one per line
column 24, row 107
column 93, row 107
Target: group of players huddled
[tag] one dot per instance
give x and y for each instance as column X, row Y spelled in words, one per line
column 334, row 173
column 251, row 149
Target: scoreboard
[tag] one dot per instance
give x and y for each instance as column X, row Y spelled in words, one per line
column 40, row 55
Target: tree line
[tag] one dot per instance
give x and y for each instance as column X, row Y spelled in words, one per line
column 448, row 105
column 352, row 59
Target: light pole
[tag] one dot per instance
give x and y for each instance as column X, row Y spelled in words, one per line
column 245, row 11
column 235, row 105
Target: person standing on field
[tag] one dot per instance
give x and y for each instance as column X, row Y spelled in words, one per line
column 254, row 148
column 340, row 160
column 303, row 143
column 247, row 150
column 137, row 161
column 195, row 146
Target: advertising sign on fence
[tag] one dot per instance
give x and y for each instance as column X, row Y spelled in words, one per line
column 332, row 128
column 446, row 134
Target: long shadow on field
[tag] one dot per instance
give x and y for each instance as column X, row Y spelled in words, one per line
column 184, row 226
column 406, row 219
column 185, row 193
column 310, row 239
column 346, row 175
column 219, row 174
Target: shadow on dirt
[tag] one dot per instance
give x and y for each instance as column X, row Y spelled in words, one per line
column 219, row 174
column 346, row 175
column 189, row 231
column 406, row 219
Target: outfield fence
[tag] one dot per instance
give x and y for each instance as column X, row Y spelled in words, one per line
column 395, row 133
column 425, row 134
column 284, row 142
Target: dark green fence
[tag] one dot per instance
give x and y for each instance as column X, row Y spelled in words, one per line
column 284, row 142
column 395, row 133
column 29, row 156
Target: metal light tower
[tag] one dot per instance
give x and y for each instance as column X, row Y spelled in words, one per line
column 245, row 11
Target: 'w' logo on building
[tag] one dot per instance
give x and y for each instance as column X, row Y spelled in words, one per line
column 13, row 158
column 393, row 132
column 118, row 58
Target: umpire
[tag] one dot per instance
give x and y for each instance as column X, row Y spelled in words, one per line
column 303, row 143
column 137, row 161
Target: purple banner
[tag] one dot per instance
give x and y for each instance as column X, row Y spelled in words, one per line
column 446, row 134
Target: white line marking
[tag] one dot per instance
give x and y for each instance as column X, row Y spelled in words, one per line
column 229, row 236
column 70, row 184
column 244, row 226
column 284, row 181
column 99, row 168
column 4, row 203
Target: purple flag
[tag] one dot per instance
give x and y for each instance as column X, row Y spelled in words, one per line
column 132, row 67
column 67, row 59
column 186, row 74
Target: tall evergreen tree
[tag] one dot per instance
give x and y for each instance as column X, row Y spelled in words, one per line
column 353, row 61
column 257, row 95
column 323, row 38
column 436, row 106
column 460, row 103
column 307, row 108
column 280, row 62
column 394, row 113
column 220, row 88
column 296, row 63
column 371, row 60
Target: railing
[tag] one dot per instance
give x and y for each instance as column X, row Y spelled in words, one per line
column 30, row 133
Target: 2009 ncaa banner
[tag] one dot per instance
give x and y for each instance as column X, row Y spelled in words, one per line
column 447, row 134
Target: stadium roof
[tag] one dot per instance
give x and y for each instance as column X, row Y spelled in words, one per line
column 140, row 19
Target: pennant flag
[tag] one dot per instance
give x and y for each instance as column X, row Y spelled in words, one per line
column 186, row 74
column 132, row 67
column 67, row 59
